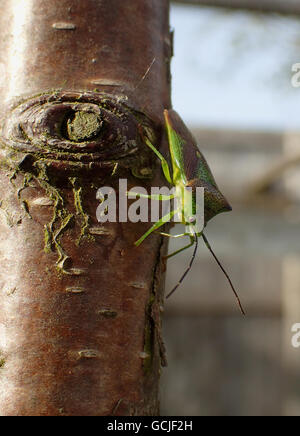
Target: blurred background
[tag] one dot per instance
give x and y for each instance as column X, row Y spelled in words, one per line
column 232, row 84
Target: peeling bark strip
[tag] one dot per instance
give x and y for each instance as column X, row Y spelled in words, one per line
column 80, row 328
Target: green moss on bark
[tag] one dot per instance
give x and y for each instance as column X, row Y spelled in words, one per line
column 83, row 126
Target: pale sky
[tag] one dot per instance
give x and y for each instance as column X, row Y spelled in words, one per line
column 234, row 69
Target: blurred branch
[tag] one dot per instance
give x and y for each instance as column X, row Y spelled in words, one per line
column 279, row 6
column 274, row 173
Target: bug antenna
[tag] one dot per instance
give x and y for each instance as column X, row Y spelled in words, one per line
column 225, row 273
column 188, row 268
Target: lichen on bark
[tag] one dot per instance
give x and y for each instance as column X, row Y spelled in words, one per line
column 82, row 126
column 73, row 134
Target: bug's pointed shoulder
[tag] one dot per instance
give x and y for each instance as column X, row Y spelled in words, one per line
column 196, row 168
column 195, row 165
column 174, row 122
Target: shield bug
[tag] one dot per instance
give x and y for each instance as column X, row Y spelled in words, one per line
column 189, row 172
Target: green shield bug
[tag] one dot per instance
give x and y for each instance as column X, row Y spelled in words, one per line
column 189, row 172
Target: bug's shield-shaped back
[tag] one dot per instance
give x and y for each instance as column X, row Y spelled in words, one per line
column 197, row 171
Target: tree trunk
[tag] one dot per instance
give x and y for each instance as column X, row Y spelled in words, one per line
column 80, row 329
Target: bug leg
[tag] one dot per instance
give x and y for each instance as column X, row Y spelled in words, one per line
column 194, row 240
column 151, row 197
column 156, row 226
column 181, row 249
column 164, row 163
column 115, row 169
column 172, row 236
column 165, row 258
